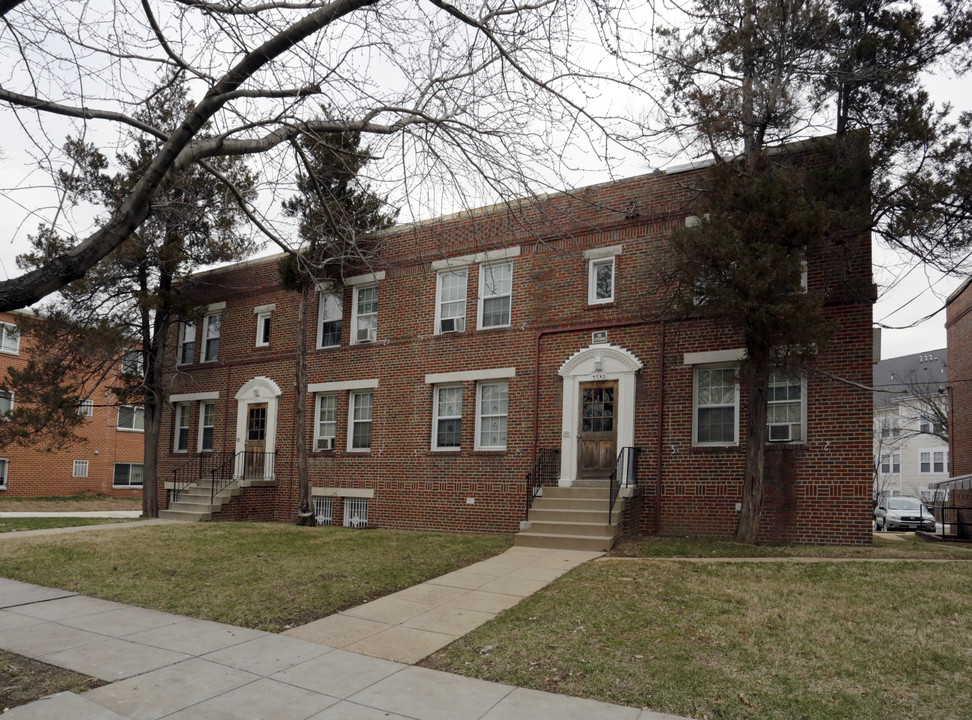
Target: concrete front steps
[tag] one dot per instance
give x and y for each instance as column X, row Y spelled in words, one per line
column 571, row 518
column 196, row 504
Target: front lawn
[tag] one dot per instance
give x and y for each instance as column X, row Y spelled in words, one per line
column 9, row 524
column 269, row 576
column 741, row 640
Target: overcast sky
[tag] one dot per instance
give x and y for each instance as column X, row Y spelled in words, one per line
column 907, row 293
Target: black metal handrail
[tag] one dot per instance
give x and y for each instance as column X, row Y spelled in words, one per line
column 545, row 471
column 625, row 474
column 223, row 468
column 199, row 466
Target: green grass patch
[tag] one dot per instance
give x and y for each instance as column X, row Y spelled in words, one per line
column 268, row 576
column 734, row 641
column 890, row 546
column 45, row 523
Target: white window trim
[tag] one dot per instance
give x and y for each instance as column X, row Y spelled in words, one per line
column 135, row 408
column 203, row 340
column 353, row 340
column 322, row 299
column 343, row 385
column 891, row 463
column 80, row 469
column 86, row 408
column 592, row 266
column 481, row 295
column 479, row 416
column 351, row 396
column 262, row 319
column 202, row 427
column 317, row 420
column 182, row 341
column 190, row 397
column 12, row 398
column 695, row 405
column 139, row 362
column 489, row 256
column 130, row 465
column 5, row 329
column 5, row 464
column 470, row 376
column 438, row 297
column 931, row 461
column 803, row 416
column 436, row 418
column 180, row 421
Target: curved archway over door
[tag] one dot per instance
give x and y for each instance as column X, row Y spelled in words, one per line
column 256, row 428
column 598, row 410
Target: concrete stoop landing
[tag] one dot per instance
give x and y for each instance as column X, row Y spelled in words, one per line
column 572, row 518
column 197, row 504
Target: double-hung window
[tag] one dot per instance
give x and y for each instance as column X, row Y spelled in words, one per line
column 187, row 342
column 6, row 402
column 359, row 432
column 4, row 465
column 181, row 440
column 207, row 425
column 325, row 425
column 132, row 363
column 127, row 475
column 891, row 426
column 210, row 349
column 131, row 417
column 451, row 301
column 495, row 294
column 786, row 407
column 891, row 464
column 365, row 314
column 933, row 461
column 492, row 410
column 600, row 280
column 9, row 339
column 329, row 320
column 716, row 406
column 447, row 420
column 80, row 469
column 263, row 329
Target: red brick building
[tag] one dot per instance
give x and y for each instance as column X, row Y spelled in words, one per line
column 108, row 458
column 488, row 339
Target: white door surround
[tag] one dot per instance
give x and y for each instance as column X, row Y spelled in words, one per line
column 597, row 362
column 259, row 390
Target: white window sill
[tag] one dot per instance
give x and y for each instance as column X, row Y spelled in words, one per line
column 446, row 449
column 131, row 430
column 494, row 327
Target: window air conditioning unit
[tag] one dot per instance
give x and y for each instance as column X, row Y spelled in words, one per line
column 779, row 432
column 366, row 335
column 325, row 443
column 452, row 324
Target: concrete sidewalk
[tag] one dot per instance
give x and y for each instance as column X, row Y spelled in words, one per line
column 168, row 666
column 409, row 625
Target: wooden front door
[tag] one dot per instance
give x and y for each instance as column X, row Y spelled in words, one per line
column 256, row 440
column 598, row 431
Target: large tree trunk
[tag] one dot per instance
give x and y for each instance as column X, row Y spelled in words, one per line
column 752, row 490
column 305, row 510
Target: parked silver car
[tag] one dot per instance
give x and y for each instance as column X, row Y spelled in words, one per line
column 903, row 513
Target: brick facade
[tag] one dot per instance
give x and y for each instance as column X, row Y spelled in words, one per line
column 818, row 491
column 36, row 471
column 958, row 323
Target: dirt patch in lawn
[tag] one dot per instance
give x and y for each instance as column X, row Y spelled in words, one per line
column 73, row 503
column 23, row 680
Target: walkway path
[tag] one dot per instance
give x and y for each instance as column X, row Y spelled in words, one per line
column 168, row 666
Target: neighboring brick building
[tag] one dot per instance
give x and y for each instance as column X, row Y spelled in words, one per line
column 107, row 459
column 483, row 338
column 958, row 324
